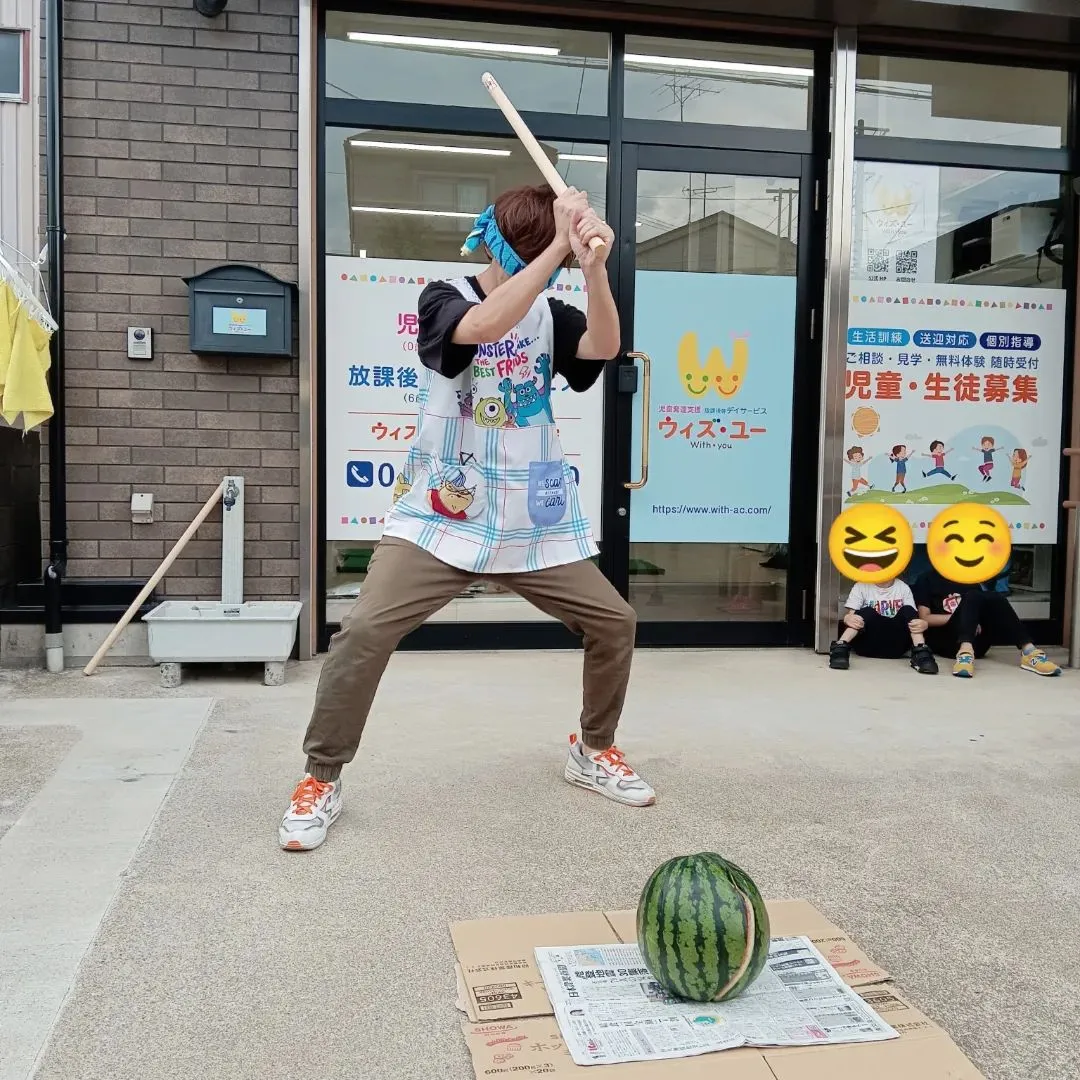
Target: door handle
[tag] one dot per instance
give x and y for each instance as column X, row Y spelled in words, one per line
column 646, row 376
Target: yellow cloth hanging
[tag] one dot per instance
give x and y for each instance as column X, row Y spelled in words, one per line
column 24, row 363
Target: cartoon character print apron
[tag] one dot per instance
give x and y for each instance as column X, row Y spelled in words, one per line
column 485, row 486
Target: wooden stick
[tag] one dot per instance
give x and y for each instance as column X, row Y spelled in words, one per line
column 543, row 162
column 148, row 588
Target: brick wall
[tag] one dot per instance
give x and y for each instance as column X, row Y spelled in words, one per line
column 180, row 154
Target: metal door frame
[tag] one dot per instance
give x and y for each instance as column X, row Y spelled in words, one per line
column 796, row 629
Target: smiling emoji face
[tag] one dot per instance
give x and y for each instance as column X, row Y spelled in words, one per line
column 694, row 378
column 968, row 543
column 871, row 542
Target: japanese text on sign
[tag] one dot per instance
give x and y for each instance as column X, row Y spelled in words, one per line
column 403, row 378
column 890, row 386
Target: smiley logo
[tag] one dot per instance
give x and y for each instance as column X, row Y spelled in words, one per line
column 871, row 542
column 727, row 379
column 694, row 379
column 969, row 543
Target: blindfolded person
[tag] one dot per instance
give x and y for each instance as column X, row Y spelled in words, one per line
column 486, row 493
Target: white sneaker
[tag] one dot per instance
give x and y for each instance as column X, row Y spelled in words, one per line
column 314, row 807
column 608, row 773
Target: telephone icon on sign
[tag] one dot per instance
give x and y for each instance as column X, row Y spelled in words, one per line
column 360, row 474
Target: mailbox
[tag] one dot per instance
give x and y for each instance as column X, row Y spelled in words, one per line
column 240, row 311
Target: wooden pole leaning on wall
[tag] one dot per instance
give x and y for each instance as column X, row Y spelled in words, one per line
column 158, row 574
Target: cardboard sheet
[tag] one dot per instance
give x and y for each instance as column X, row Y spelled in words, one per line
column 535, row 1048
column 928, row 1059
column 497, row 965
column 510, row 1030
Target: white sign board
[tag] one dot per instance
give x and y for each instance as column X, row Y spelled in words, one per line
column 954, row 394
column 895, row 227
column 372, row 377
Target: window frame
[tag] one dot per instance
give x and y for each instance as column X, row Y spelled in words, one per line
column 22, row 97
column 617, row 132
column 1063, row 163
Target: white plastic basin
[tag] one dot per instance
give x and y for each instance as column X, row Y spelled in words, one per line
column 193, row 632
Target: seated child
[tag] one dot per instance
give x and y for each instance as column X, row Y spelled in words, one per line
column 963, row 621
column 881, row 621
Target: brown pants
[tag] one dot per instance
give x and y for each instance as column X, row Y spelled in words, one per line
column 406, row 585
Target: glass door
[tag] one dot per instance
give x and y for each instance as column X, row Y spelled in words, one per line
column 717, row 501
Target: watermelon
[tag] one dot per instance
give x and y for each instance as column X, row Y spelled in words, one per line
column 702, row 928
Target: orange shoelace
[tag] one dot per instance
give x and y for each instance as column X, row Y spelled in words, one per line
column 614, row 760
column 308, row 792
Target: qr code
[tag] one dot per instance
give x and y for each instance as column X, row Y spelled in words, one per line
column 907, row 263
column 877, row 261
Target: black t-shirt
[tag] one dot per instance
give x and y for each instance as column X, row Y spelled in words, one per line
column 939, row 595
column 441, row 307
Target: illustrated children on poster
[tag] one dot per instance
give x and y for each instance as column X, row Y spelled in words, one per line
column 858, row 461
column 1019, row 462
column 899, row 457
column 937, row 456
column 988, row 450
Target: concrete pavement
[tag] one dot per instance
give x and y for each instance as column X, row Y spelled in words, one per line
column 936, row 820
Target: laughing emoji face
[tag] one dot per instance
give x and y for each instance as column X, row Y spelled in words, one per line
column 969, row 543
column 871, row 542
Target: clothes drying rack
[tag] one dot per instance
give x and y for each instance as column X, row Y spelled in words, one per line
column 22, row 275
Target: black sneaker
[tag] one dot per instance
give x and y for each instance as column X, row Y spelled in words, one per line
column 922, row 660
column 840, row 655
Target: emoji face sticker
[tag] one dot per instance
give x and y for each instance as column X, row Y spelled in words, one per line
column 871, row 542
column 694, row 379
column 968, row 543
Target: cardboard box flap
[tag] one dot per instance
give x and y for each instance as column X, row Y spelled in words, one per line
column 788, row 917
column 898, row 1012
column 534, row 1047
column 624, row 923
column 795, row 918
column 937, row 1058
column 498, row 965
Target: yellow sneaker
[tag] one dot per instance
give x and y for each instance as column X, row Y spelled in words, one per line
column 964, row 667
column 1039, row 662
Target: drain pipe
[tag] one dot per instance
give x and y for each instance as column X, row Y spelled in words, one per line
column 54, row 230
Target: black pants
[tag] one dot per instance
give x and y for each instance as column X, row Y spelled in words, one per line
column 881, row 637
column 979, row 609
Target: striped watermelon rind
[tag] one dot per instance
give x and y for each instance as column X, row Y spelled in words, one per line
column 703, row 929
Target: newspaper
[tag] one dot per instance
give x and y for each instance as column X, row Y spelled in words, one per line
column 610, row 1009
